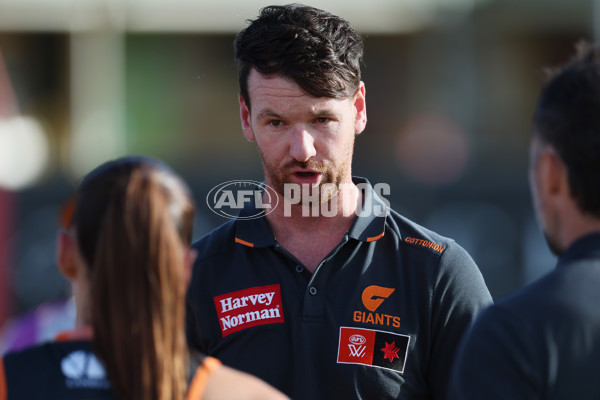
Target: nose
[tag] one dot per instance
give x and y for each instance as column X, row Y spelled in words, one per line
column 302, row 147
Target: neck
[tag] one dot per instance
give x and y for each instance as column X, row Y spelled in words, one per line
column 578, row 229
column 309, row 213
column 575, row 224
column 310, row 233
column 80, row 296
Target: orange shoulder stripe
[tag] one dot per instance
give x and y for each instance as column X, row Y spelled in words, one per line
column 244, row 242
column 201, row 378
column 80, row 333
column 3, row 388
column 374, row 238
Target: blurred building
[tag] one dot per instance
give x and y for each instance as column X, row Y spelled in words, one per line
column 451, row 86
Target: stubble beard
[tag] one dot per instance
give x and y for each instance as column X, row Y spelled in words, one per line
column 328, row 187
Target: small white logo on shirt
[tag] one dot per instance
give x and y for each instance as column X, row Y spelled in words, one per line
column 357, row 345
column 83, row 370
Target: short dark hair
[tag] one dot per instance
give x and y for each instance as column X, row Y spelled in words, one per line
column 567, row 117
column 319, row 51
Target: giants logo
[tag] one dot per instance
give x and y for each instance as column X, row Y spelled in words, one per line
column 372, row 297
column 250, row 307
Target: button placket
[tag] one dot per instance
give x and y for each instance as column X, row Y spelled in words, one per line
column 313, row 299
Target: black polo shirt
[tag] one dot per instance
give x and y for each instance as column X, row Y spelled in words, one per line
column 68, row 369
column 55, row 370
column 379, row 318
column 543, row 340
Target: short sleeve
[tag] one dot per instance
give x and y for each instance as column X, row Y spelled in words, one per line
column 459, row 295
column 201, row 376
column 3, row 384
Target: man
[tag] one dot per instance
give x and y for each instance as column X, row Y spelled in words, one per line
column 543, row 341
column 353, row 301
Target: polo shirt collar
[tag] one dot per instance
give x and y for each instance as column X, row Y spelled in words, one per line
column 253, row 232
column 79, row 333
column 586, row 246
column 370, row 223
column 367, row 227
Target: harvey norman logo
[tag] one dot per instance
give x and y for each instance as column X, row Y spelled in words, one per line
column 249, row 307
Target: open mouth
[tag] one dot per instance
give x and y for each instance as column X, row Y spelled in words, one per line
column 306, row 174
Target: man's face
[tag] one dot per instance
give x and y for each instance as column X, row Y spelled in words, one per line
column 301, row 139
column 539, row 157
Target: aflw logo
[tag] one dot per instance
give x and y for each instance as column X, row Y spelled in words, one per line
column 373, row 348
column 357, row 345
column 250, row 307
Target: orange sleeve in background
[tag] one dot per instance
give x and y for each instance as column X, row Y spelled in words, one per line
column 200, row 378
column 3, row 389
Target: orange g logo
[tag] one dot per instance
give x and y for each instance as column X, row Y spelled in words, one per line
column 374, row 295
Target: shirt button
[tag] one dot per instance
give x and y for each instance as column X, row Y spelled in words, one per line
column 299, row 268
column 312, row 290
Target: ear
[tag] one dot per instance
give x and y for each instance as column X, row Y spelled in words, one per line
column 360, row 107
column 190, row 259
column 65, row 255
column 552, row 176
column 245, row 117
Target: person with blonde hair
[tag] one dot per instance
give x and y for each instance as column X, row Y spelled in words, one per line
column 125, row 246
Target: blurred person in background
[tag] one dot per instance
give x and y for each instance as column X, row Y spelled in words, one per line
column 126, row 249
column 543, row 341
column 51, row 317
column 38, row 325
column 356, row 303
